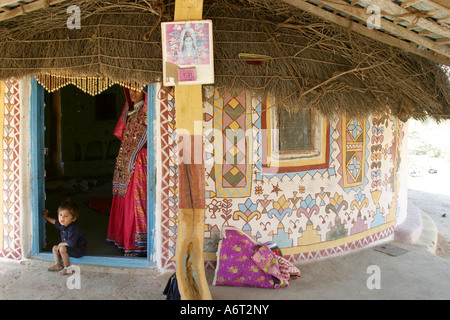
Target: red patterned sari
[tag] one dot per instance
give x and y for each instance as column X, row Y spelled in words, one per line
column 127, row 227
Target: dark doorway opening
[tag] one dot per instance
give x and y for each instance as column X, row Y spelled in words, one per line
column 79, row 160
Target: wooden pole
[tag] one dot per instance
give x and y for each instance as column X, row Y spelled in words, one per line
column 190, row 268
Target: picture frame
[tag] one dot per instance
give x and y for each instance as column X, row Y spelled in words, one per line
column 188, row 57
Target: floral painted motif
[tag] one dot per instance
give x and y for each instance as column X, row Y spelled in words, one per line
column 247, row 211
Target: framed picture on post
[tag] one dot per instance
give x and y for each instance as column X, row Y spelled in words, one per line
column 187, row 52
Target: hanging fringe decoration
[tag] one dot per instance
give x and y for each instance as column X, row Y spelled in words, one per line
column 91, row 85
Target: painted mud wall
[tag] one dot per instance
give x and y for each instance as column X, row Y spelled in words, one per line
column 348, row 198
column 11, row 195
column 311, row 212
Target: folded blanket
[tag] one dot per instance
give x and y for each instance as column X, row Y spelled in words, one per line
column 243, row 262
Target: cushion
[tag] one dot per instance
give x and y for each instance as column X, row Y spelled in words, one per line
column 242, row 262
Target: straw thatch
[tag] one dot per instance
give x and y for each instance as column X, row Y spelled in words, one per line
column 308, row 62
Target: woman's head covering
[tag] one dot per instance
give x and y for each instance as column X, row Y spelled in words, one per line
column 118, row 131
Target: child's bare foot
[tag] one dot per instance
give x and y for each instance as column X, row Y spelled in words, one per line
column 65, row 271
column 56, row 267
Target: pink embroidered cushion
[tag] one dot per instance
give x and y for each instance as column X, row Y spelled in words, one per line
column 242, row 262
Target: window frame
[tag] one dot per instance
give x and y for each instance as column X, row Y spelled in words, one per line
column 275, row 161
column 287, row 155
column 37, row 183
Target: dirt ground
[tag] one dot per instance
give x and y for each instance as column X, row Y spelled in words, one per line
column 430, row 193
column 443, row 247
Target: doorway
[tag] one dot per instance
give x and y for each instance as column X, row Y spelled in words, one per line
column 77, row 162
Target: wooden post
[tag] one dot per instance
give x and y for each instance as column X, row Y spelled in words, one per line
column 190, row 266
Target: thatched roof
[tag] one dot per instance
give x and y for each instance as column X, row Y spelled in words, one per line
column 310, row 62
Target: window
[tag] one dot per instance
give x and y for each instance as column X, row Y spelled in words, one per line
column 296, row 141
column 294, row 131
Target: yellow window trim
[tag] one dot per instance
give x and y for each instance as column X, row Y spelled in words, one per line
column 308, row 160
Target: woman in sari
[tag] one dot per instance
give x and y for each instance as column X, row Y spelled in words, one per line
column 128, row 220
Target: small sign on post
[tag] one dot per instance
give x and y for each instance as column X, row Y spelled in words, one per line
column 185, row 75
column 187, row 52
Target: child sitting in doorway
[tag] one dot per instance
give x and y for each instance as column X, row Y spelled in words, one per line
column 73, row 243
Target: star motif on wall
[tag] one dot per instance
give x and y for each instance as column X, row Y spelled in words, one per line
column 276, row 189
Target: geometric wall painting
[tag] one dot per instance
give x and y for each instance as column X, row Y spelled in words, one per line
column 354, row 146
column 232, row 145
